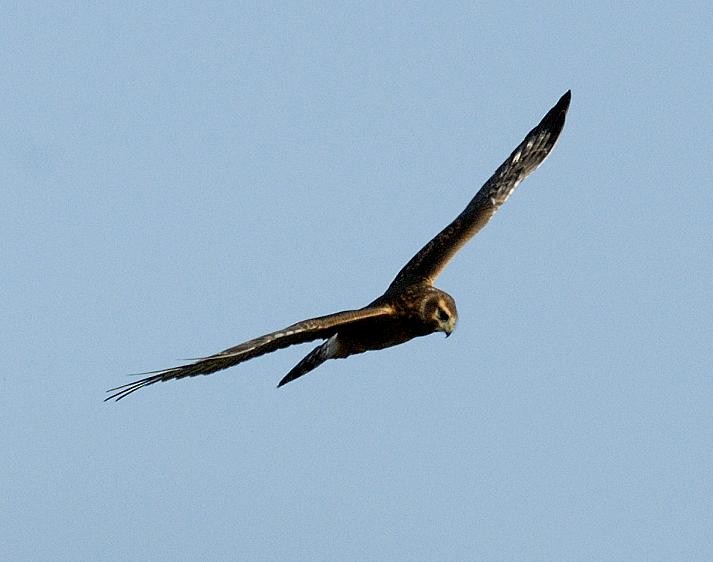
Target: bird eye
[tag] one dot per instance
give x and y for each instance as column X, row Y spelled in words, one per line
column 441, row 314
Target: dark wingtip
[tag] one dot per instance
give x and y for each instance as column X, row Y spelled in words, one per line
column 554, row 120
column 563, row 103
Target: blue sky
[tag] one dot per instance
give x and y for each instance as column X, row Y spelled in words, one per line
column 178, row 178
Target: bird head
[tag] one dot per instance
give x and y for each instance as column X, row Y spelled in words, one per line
column 438, row 309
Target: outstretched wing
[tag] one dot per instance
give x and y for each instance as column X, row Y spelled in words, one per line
column 315, row 328
column 428, row 263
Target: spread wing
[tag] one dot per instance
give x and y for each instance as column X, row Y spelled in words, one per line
column 428, row 263
column 315, row 328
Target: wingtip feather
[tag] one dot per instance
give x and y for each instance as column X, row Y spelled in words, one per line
column 565, row 99
column 553, row 121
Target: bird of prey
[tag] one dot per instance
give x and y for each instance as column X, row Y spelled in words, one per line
column 411, row 306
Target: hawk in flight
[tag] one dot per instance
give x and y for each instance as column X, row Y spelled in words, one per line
column 411, row 306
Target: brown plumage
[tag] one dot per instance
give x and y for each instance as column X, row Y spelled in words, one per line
column 411, row 305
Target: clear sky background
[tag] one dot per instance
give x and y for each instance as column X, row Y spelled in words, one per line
column 177, row 178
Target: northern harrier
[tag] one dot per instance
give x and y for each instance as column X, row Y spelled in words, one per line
column 411, row 306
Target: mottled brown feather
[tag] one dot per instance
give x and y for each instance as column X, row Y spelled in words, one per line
column 428, row 263
column 308, row 330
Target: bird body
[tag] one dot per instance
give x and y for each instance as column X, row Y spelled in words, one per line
column 411, row 306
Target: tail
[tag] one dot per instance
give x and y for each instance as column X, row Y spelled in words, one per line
column 312, row 360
